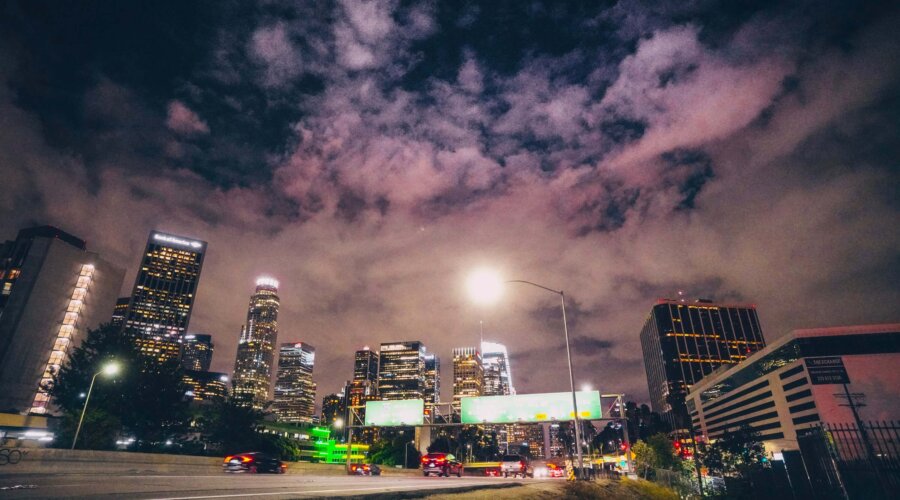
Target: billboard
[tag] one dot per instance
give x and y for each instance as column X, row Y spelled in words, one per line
column 394, row 413
column 524, row 408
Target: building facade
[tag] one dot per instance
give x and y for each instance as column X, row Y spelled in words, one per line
column 333, row 408
column 497, row 372
column 52, row 290
column 432, row 381
column 197, row 352
column 682, row 342
column 119, row 312
column 295, row 390
column 401, row 370
column 468, row 374
column 256, row 347
column 164, row 293
column 365, row 365
column 206, row 387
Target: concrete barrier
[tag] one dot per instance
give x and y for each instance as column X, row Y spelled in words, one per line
column 53, row 461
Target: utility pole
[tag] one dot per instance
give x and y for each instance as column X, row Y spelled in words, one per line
column 863, row 435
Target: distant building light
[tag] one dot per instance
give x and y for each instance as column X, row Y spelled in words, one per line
column 178, row 241
column 267, row 281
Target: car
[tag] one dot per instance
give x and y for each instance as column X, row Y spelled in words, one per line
column 548, row 469
column 515, row 466
column 253, row 462
column 364, row 470
column 442, row 464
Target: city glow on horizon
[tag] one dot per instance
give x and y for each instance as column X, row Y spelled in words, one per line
column 485, row 286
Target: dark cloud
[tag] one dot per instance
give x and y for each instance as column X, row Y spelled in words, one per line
column 369, row 153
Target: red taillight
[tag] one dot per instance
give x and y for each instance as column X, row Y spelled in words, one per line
column 424, row 460
column 441, row 460
column 522, row 464
column 228, row 458
column 246, row 459
column 365, row 467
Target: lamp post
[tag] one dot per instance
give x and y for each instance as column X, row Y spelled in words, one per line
column 486, row 286
column 108, row 369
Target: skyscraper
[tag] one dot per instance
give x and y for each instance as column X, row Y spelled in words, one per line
column 164, row 293
column 365, row 365
column 497, row 372
column 432, row 381
column 206, row 387
column 468, row 374
column 295, row 391
column 119, row 312
column 197, row 352
column 682, row 342
column 401, row 371
column 52, row 290
column 364, row 386
column 256, row 347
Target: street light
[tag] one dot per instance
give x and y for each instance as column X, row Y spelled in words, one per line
column 109, row 369
column 486, row 286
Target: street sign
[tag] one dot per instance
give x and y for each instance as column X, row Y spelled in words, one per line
column 395, row 413
column 525, row 408
column 827, row 370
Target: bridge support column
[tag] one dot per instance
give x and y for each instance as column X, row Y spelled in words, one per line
column 423, row 438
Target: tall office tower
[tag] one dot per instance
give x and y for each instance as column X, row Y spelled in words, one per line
column 119, row 312
column 295, row 391
column 468, row 374
column 432, row 381
column 256, row 347
column 197, row 352
column 52, row 290
column 497, row 373
column 682, row 342
column 333, row 408
column 365, row 365
column 164, row 293
column 401, row 371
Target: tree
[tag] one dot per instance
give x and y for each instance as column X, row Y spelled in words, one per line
column 736, row 454
column 144, row 401
column 644, row 457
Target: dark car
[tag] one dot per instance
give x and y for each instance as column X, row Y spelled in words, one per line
column 442, row 464
column 515, row 465
column 364, row 470
column 253, row 462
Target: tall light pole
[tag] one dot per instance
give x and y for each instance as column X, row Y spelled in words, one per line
column 486, row 286
column 108, row 369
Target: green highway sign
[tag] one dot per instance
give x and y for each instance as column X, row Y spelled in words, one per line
column 524, row 408
column 395, row 413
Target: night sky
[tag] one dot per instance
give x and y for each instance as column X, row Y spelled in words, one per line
column 370, row 154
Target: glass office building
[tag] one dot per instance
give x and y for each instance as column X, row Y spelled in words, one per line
column 295, row 390
column 682, row 342
column 401, row 371
column 256, row 346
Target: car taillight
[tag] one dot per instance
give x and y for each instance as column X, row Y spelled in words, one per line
column 424, row 460
column 228, row 458
column 441, row 460
column 365, row 467
column 522, row 464
column 246, row 459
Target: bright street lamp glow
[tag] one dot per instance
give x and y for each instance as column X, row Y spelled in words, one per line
column 338, row 423
column 111, row 368
column 485, row 286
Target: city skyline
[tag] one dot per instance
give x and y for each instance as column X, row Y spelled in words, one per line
column 369, row 155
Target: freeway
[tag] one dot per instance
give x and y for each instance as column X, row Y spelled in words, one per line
column 225, row 486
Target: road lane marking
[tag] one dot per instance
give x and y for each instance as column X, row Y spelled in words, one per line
column 310, row 492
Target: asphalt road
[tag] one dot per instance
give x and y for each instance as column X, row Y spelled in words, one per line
column 261, row 486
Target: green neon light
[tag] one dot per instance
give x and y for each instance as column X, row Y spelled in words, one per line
column 395, row 413
column 524, row 408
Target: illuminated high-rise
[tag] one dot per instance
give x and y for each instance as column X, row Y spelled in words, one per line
column 401, row 371
column 164, row 293
column 333, row 409
column 52, row 290
column 468, row 374
column 197, row 352
column 684, row 341
column 365, row 365
column 295, row 390
column 364, row 386
column 497, row 372
column 205, row 387
column 256, row 346
column 432, row 381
